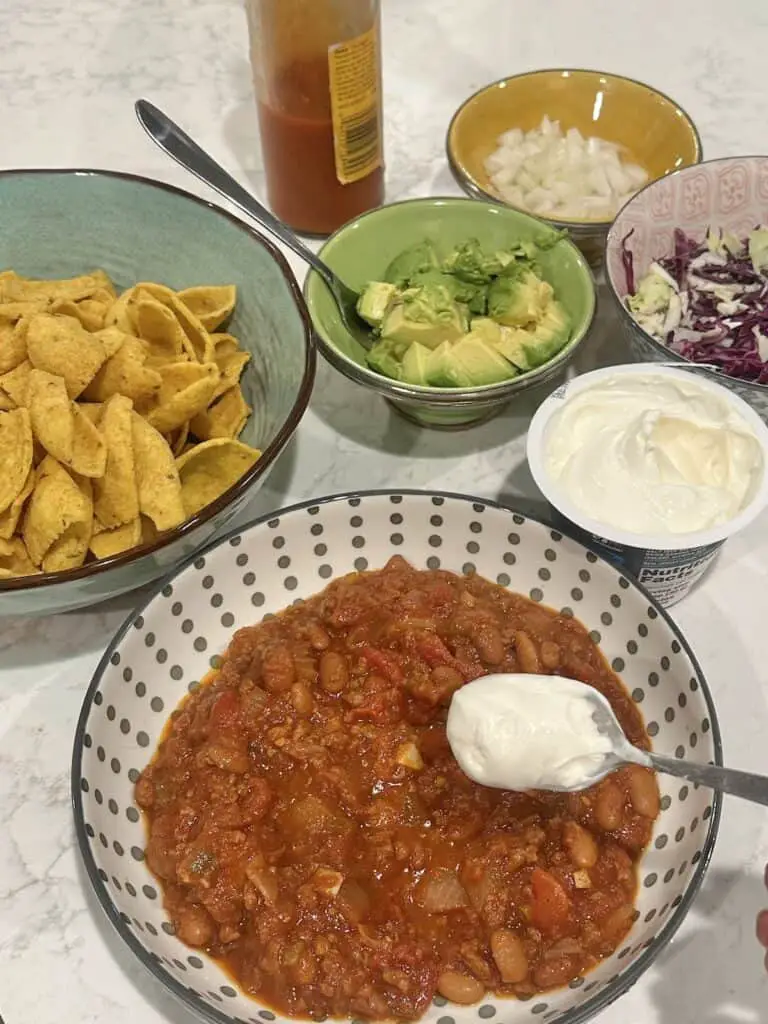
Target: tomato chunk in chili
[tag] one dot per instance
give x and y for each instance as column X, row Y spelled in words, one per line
column 311, row 829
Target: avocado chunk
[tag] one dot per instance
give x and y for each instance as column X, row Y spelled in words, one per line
column 532, row 347
column 414, row 260
column 386, row 357
column 414, row 319
column 470, row 264
column 550, row 334
column 374, row 301
column 473, row 296
column 487, row 329
column 415, row 364
column 519, row 298
column 471, row 362
column 441, row 373
column 432, row 300
column 513, row 344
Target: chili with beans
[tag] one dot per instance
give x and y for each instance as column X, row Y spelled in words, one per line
column 312, row 830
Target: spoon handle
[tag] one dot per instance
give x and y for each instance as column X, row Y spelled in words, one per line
column 185, row 151
column 726, row 780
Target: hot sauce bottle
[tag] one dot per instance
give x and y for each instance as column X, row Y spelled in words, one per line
column 317, row 77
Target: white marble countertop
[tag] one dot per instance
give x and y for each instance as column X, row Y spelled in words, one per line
column 69, row 72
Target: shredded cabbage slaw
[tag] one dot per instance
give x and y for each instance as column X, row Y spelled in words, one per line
column 708, row 301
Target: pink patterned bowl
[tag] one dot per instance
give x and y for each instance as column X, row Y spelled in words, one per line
column 731, row 193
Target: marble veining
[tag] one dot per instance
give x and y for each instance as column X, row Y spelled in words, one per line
column 69, row 73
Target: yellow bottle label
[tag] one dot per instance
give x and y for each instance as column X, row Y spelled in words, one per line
column 353, row 71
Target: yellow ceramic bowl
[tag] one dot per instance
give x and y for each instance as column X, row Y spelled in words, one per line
column 653, row 130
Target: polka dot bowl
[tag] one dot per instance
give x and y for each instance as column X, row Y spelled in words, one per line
column 167, row 646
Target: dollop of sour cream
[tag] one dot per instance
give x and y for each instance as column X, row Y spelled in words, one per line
column 653, row 455
column 525, row 732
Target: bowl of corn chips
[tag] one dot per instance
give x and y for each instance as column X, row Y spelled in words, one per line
column 155, row 358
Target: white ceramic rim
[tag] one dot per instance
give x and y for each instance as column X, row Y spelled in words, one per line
column 658, row 542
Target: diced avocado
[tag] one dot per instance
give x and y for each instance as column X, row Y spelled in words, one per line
column 504, row 258
column 466, row 263
column 530, row 347
column 473, row 296
column 545, row 240
column 438, row 368
column 430, row 301
column 415, row 363
column 488, row 329
column 550, row 334
column 386, row 357
column 479, row 362
column 421, row 313
column 469, row 263
column 434, row 276
column 513, row 344
column 441, row 372
column 414, row 260
column 415, row 321
column 375, row 300
column 518, row 299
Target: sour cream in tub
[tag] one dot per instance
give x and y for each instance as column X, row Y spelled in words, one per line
column 518, row 731
column 653, row 454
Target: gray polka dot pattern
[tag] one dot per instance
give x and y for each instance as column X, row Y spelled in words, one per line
column 180, row 635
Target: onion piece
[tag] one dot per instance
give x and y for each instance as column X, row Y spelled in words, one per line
column 408, row 756
column 327, row 880
column 442, row 891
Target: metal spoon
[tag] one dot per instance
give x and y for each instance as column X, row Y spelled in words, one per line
column 185, row 151
column 746, row 785
column 475, row 722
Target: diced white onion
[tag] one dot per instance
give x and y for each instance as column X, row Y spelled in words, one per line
column 408, row 756
column 327, row 880
column 562, row 175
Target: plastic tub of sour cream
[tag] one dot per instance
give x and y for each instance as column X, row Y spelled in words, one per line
column 652, row 466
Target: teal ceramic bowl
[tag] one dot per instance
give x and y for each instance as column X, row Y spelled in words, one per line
column 64, row 223
column 361, row 250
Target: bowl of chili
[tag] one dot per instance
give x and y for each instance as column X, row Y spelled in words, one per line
column 297, row 839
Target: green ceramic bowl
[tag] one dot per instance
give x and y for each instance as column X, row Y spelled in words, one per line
column 63, row 223
column 361, row 250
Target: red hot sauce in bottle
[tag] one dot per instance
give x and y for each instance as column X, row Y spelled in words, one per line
column 317, row 73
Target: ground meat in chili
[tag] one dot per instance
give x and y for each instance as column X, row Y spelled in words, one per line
column 311, row 829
